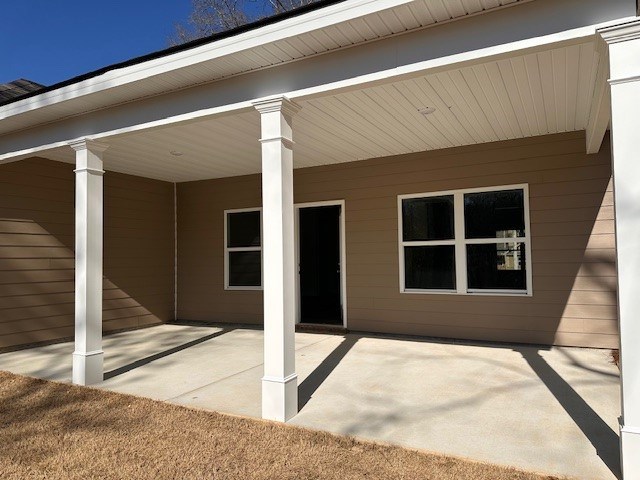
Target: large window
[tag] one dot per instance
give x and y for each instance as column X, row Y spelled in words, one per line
column 243, row 249
column 465, row 241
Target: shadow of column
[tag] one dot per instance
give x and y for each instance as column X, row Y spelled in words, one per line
column 601, row 436
column 310, row 384
column 159, row 355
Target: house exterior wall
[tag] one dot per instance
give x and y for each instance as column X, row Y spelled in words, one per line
column 572, row 238
column 37, row 252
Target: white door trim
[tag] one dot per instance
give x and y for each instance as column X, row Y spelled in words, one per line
column 343, row 255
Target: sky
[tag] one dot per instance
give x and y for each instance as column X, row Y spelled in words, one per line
column 48, row 41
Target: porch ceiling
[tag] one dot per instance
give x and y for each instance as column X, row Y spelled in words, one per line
column 526, row 95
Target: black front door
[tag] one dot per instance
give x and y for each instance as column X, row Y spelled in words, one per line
column 319, row 239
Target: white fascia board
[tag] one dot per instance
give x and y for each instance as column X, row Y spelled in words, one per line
column 600, row 111
column 400, row 73
column 228, row 109
column 308, row 22
column 406, row 72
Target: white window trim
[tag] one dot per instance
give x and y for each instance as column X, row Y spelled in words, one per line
column 460, row 243
column 228, row 249
column 343, row 254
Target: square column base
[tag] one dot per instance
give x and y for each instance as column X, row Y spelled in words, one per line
column 630, row 451
column 279, row 397
column 88, row 367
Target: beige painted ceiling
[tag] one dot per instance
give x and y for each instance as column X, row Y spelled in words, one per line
column 523, row 96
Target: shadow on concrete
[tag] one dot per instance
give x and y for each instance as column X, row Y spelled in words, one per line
column 601, row 436
column 310, row 384
column 571, row 358
column 163, row 354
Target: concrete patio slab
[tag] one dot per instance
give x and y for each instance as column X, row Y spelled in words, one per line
column 551, row 410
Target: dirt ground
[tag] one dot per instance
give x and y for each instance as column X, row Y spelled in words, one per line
column 54, row 430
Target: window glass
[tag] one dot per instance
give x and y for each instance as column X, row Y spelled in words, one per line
column 243, row 229
column 494, row 214
column 496, row 266
column 430, row 268
column 244, row 269
column 429, row 218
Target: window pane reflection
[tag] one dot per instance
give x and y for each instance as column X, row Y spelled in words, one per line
column 429, row 218
column 497, row 214
column 496, row 266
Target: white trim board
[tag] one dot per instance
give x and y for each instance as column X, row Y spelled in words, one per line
column 308, row 22
column 175, row 251
column 228, row 249
column 399, row 73
column 297, row 207
column 469, row 58
column 222, row 50
column 343, row 254
column 460, row 243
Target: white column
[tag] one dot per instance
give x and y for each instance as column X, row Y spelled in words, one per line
column 280, row 382
column 88, row 355
column 624, row 62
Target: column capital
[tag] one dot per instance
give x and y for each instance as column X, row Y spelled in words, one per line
column 88, row 144
column 621, row 33
column 88, row 156
column 620, row 45
column 277, row 104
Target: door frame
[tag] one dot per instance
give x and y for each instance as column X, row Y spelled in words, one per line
column 343, row 255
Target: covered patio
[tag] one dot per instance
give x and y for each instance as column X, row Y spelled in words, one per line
column 469, row 105
column 552, row 410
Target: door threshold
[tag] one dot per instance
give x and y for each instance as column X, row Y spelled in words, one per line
column 321, row 328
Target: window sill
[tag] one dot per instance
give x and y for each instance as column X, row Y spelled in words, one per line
column 477, row 293
column 239, row 288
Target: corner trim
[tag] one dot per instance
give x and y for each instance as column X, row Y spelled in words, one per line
column 175, row 251
column 280, row 380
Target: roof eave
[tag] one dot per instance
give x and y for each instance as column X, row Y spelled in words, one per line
column 319, row 4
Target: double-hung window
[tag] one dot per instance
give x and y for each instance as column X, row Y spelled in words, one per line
column 243, row 249
column 465, row 241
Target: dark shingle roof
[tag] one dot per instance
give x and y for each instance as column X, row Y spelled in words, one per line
column 18, row 88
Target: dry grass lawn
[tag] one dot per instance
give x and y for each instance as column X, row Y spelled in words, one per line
column 53, row 430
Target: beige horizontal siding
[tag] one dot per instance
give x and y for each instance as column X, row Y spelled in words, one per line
column 572, row 229
column 201, row 294
column 37, row 259
column 139, row 253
